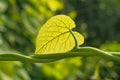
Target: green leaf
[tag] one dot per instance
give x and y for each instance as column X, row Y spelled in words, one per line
column 56, row 36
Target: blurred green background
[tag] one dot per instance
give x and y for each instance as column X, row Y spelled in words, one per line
column 97, row 20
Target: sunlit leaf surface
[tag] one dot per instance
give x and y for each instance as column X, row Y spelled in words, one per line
column 55, row 36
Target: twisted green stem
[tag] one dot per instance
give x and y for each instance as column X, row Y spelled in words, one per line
column 82, row 51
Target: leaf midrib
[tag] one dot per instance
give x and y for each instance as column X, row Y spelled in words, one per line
column 53, row 39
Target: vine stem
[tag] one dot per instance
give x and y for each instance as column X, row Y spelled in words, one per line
column 43, row 58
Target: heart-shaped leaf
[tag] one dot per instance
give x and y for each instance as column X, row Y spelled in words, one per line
column 56, row 36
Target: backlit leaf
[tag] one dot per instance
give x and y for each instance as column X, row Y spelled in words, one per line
column 55, row 36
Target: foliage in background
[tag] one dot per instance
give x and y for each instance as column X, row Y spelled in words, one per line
column 97, row 20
